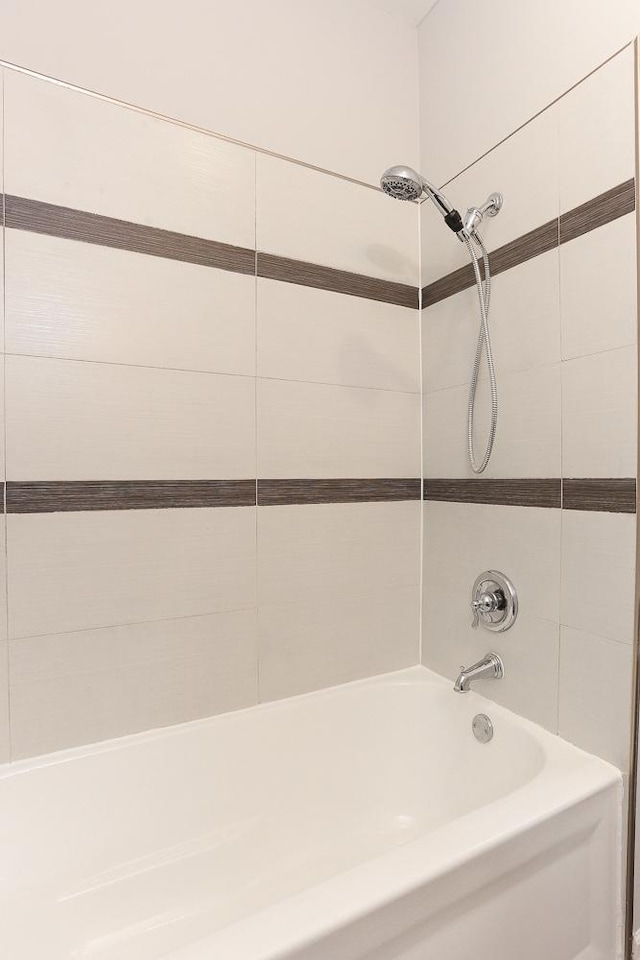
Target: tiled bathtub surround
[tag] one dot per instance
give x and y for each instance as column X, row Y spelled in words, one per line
column 555, row 510
column 212, row 388
column 181, row 313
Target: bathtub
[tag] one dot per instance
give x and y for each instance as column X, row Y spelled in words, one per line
column 364, row 821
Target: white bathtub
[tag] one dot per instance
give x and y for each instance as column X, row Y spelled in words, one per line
column 361, row 821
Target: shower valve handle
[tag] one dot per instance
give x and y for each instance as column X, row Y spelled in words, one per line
column 485, row 603
column 494, row 602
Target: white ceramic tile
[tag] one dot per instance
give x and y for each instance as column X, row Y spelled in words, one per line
column 595, row 694
column 70, row 420
column 597, row 132
column 89, row 685
column 307, row 215
column 305, row 646
column 599, row 398
column 5, row 740
column 598, row 289
column 524, row 323
column 463, row 539
column 86, row 302
column 106, row 159
column 529, row 426
column 2, row 418
column 316, row 430
column 338, row 550
column 317, row 335
column 3, row 581
column 66, row 711
column 524, row 168
column 75, row 571
column 598, row 562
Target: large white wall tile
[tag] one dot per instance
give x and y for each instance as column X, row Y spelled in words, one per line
column 337, row 550
column 305, row 646
column 89, row 685
column 599, row 419
column 3, row 582
column 524, row 322
column 307, row 215
column 595, row 694
column 86, row 302
column 5, row 740
column 522, row 542
column 318, row 335
column 316, row 430
column 524, row 168
column 74, row 571
column 596, row 122
column 74, row 150
column 598, row 573
column 598, row 275
column 528, row 434
column 70, row 420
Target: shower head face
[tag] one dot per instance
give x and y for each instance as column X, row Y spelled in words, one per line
column 402, row 183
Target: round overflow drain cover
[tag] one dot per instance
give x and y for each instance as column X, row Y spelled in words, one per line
column 482, row 728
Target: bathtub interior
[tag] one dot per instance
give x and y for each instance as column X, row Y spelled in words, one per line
column 137, row 846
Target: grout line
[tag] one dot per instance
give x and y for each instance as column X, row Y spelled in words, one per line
column 628, row 869
column 185, row 125
column 422, row 544
column 211, row 373
column 130, row 623
column 536, row 115
column 258, row 646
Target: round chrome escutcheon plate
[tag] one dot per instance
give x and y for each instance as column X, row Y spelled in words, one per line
column 482, row 728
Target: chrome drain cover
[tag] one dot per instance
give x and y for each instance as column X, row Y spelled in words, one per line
column 482, row 728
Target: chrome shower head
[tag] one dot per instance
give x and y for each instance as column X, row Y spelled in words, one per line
column 405, row 183
column 402, row 183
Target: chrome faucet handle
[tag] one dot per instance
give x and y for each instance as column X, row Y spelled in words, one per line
column 485, row 603
column 475, row 617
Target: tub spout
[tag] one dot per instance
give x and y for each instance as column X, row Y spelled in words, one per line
column 489, row 668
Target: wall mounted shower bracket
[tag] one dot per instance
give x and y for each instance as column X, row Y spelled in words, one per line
column 475, row 215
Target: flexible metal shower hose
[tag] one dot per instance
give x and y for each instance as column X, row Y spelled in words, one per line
column 484, row 341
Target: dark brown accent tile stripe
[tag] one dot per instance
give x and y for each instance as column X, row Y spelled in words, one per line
column 524, row 248
column 39, row 217
column 281, row 492
column 610, row 495
column 602, row 209
column 80, row 495
column 509, row 492
column 273, row 267
column 530, row 245
column 615, row 495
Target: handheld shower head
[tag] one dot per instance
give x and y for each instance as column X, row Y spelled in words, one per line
column 404, row 183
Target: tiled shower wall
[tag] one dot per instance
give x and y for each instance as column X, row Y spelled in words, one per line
column 555, row 510
column 211, row 418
